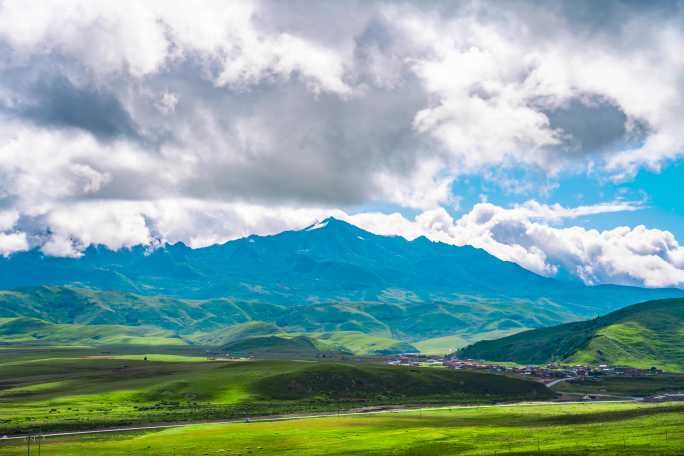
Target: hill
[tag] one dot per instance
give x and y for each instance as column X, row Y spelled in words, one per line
column 344, row 382
column 642, row 335
column 34, row 331
column 256, row 337
column 282, row 345
column 234, row 333
column 330, row 277
column 365, row 344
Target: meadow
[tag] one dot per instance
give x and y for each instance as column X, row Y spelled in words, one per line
column 81, row 392
column 577, row 429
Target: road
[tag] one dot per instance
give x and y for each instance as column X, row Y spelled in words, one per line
column 297, row 417
column 556, row 382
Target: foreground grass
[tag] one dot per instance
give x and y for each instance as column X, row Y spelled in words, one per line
column 81, row 393
column 596, row 429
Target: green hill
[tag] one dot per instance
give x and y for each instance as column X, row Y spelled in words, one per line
column 643, row 335
column 344, row 382
column 366, row 344
column 34, row 331
column 280, row 345
column 233, row 333
column 254, row 337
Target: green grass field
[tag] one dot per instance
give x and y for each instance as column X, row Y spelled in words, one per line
column 94, row 391
column 582, row 429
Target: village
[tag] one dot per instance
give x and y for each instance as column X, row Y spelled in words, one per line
column 545, row 373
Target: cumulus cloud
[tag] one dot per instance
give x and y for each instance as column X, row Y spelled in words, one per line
column 530, row 236
column 202, row 121
column 11, row 241
column 263, row 102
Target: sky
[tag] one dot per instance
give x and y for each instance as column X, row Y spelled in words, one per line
column 547, row 133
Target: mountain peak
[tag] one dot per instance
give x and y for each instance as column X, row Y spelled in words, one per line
column 329, row 222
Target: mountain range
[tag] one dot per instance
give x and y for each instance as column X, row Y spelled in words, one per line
column 329, row 277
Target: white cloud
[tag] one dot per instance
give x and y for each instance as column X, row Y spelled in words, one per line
column 143, row 37
column 8, row 219
column 527, row 236
column 13, row 242
column 494, row 82
column 425, row 188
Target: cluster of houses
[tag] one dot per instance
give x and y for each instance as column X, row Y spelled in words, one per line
column 542, row 372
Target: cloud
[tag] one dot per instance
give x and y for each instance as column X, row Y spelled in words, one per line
column 520, row 84
column 528, row 235
column 56, row 102
column 13, row 242
column 263, row 102
column 205, row 121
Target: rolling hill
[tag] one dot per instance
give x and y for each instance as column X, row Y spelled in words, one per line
column 281, row 345
column 331, row 277
column 25, row 330
column 253, row 338
column 642, row 335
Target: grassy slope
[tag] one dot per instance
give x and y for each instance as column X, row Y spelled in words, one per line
column 340, row 382
column 366, row 344
column 280, row 345
column 229, row 334
column 596, row 429
column 24, row 330
column 449, row 344
column 642, row 335
column 84, row 392
column 32, row 330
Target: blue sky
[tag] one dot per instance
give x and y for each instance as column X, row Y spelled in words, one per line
column 660, row 192
column 550, row 137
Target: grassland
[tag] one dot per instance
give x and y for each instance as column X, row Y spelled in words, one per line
column 596, row 429
column 87, row 392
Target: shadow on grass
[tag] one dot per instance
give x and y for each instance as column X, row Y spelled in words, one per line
column 507, row 419
column 603, row 417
